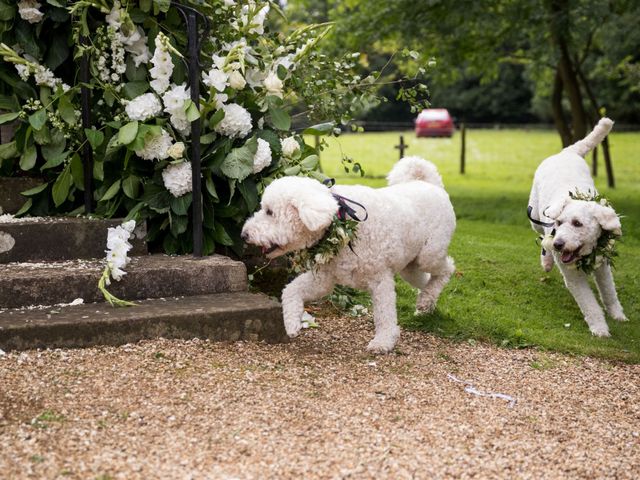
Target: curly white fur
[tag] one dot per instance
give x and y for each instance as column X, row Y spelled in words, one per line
column 408, row 231
column 578, row 225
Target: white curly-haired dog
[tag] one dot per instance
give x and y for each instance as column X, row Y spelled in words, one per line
column 408, row 230
column 578, row 224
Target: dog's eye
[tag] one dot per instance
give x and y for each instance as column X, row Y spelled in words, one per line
column 558, row 222
column 576, row 223
column 269, row 212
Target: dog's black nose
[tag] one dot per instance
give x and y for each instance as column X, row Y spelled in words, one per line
column 244, row 236
column 558, row 244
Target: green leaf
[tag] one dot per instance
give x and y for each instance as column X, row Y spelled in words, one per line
column 77, row 171
column 162, row 5
column 180, row 205
column 135, row 89
column 55, row 147
column 58, row 51
column 320, row 129
column 292, row 170
column 28, row 158
column 95, row 137
column 7, row 11
column 221, row 236
column 145, row 5
column 55, row 161
column 34, row 191
column 216, row 118
column 127, row 134
column 279, row 118
column 60, row 190
column 9, row 117
column 8, row 150
column 131, row 186
column 193, row 113
column 310, row 162
column 112, row 191
column 211, row 188
column 249, row 192
column 98, row 170
column 67, row 112
column 38, row 119
column 208, row 138
column 179, row 224
column 238, row 163
column 25, row 207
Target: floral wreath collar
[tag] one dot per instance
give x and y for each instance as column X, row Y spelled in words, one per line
column 605, row 249
column 342, row 232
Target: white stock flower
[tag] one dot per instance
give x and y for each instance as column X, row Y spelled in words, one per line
column 113, row 18
column 236, row 122
column 289, row 146
column 262, row 158
column 29, row 11
column 176, row 151
column 273, row 84
column 139, row 49
column 162, row 65
column 236, row 80
column 177, row 178
column 143, row 107
column 156, row 147
column 23, row 72
column 117, row 248
column 215, row 78
column 44, row 77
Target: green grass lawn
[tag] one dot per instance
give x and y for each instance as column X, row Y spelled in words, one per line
column 500, row 293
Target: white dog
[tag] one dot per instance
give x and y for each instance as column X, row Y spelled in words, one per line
column 408, row 230
column 576, row 226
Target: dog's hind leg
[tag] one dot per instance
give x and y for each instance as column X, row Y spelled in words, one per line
column 416, row 277
column 308, row 286
column 578, row 284
column 607, row 289
column 385, row 317
column 440, row 271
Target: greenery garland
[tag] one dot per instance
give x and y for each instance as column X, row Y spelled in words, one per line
column 341, row 233
column 605, row 249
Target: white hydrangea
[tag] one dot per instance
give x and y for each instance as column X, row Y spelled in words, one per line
column 117, row 248
column 174, row 100
column 215, row 78
column 29, row 11
column 156, row 147
column 177, row 178
column 162, row 65
column 236, row 122
column 273, row 84
column 262, row 158
column 289, row 146
column 143, row 107
column 236, row 80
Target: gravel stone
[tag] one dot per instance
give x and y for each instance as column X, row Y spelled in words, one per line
column 318, row 407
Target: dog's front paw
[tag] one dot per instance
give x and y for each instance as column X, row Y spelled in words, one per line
column 600, row 331
column 617, row 314
column 383, row 343
column 292, row 326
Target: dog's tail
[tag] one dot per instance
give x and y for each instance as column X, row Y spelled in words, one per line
column 591, row 141
column 414, row 168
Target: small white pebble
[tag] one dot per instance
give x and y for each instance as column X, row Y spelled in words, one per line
column 372, row 364
column 2, row 353
column 567, row 325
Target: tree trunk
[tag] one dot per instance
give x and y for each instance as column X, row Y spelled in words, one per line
column 558, row 114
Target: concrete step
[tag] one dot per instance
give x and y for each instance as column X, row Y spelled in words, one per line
column 224, row 316
column 60, row 238
column 151, row 276
column 10, row 187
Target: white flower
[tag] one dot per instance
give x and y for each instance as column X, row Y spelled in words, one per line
column 174, row 98
column 23, row 71
column 220, row 99
column 236, row 122
column 177, row 178
column 257, row 22
column 144, row 107
column 113, row 18
column 139, row 49
column 180, row 123
column 273, row 84
column 45, row 77
column 255, row 77
column 229, row 3
column 215, row 79
column 262, row 158
column 162, row 65
column 117, row 248
column 176, row 151
column 236, row 80
column 218, row 61
column 289, row 146
column 156, row 147
column 28, row 10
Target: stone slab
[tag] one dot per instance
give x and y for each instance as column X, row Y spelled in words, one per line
column 151, row 276
column 10, row 187
column 60, row 238
column 222, row 317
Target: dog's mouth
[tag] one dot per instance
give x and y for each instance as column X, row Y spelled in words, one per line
column 570, row 256
column 266, row 250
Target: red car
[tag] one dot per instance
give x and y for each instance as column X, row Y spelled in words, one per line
column 434, row 122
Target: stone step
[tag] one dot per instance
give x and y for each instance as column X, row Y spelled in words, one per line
column 223, row 316
column 10, row 187
column 60, row 238
column 151, row 276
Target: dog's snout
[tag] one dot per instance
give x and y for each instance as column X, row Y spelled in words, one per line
column 558, row 244
column 244, row 236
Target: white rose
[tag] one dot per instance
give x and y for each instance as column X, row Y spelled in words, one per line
column 273, row 84
column 236, row 80
column 289, row 146
column 176, row 151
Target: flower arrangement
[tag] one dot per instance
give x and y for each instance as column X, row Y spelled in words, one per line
column 142, row 112
column 117, row 248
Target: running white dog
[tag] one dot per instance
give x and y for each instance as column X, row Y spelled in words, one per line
column 408, row 230
column 576, row 226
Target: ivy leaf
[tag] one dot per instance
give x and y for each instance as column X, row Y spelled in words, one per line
column 28, row 158
column 112, row 191
column 127, row 134
column 9, row 117
column 279, row 118
column 38, row 119
column 60, row 190
column 95, row 137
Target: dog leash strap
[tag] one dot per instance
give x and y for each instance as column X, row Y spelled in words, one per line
column 345, row 209
column 537, row 222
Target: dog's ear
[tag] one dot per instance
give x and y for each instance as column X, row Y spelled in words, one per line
column 554, row 210
column 607, row 218
column 316, row 208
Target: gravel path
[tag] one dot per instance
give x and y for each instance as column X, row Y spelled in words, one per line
column 319, row 407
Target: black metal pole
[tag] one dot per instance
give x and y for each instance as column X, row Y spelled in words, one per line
column 87, row 154
column 194, row 83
